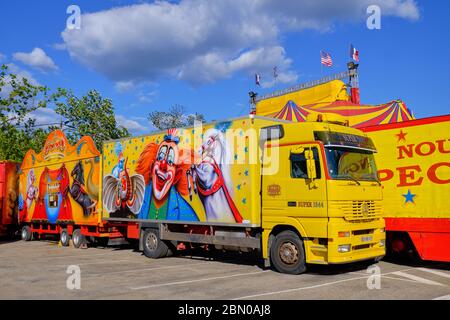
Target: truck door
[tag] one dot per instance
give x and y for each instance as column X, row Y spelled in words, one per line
column 294, row 192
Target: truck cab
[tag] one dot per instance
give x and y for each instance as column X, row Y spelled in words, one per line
column 323, row 205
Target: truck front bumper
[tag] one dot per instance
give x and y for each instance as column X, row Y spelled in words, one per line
column 350, row 242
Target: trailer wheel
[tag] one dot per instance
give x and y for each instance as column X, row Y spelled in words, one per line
column 26, row 233
column 154, row 247
column 64, row 237
column 287, row 253
column 78, row 238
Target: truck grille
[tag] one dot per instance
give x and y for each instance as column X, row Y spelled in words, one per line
column 359, row 210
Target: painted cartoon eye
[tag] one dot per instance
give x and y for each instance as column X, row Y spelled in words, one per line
column 162, row 153
column 171, row 157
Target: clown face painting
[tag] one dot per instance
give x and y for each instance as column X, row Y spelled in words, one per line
column 164, row 167
column 165, row 171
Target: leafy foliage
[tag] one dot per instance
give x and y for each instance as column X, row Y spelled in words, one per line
column 174, row 118
column 19, row 97
column 90, row 115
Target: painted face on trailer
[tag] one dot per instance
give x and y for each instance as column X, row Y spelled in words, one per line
column 164, row 171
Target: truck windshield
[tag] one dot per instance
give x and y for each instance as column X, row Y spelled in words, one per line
column 351, row 164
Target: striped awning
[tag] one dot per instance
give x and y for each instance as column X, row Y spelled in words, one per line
column 358, row 115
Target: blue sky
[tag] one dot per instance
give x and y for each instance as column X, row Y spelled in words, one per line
column 147, row 56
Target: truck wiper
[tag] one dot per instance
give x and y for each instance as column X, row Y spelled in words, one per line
column 375, row 179
column 352, row 178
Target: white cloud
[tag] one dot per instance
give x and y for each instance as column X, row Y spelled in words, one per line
column 133, row 124
column 2, row 57
column 37, row 59
column 201, row 41
column 146, row 96
column 21, row 74
column 59, row 46
column 45, row 117
column 124, row 86
column 213, row 66
column 321, row 15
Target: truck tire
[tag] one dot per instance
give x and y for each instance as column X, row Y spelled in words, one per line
column 26, row 233
column 287, row 253
column 64, row 237
column 154, row 247
column 78, row 238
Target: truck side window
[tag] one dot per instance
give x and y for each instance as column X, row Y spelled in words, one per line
column 298, row 165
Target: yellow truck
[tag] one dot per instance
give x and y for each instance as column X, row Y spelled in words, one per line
column 288, row 190
column 414, row 167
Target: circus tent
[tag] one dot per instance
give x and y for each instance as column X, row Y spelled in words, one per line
column 358, row 115
column 333, row 99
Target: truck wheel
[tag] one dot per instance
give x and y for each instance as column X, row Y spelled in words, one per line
column 287, row 253
column 26, row 233
column 64, row 237
column 154, row 247
column 78, row 238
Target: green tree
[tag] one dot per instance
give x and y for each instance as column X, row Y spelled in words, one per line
column 174, row 118
column 90, row 115
column 18, row 98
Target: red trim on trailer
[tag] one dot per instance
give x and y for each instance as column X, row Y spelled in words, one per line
column 430, row 236
column 109, row 230
column 409, row 123
column 133, row 230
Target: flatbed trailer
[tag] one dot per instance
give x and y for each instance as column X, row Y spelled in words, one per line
column 60, row 194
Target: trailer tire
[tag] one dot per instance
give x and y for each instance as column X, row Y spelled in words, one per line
column 78, row 238
column 64, row 237
column 26, row 233
column 287, row 253
column 154, row 247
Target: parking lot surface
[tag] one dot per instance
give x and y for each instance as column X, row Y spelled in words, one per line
column 45, row 270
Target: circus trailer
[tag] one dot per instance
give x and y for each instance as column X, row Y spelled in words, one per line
column 60, row 193
column 9, row 192
column 414, row 168
column 250, row 184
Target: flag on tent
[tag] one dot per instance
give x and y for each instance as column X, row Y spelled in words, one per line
column 325, row 59
column 257, row 79
column 354, row 54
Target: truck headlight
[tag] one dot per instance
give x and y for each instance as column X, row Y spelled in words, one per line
column 382, row 243
column 382, row 230
column 344, row 248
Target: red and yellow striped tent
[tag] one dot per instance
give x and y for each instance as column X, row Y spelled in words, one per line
column 331, row 98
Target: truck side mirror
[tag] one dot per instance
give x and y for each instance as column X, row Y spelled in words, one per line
column 310, row 164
